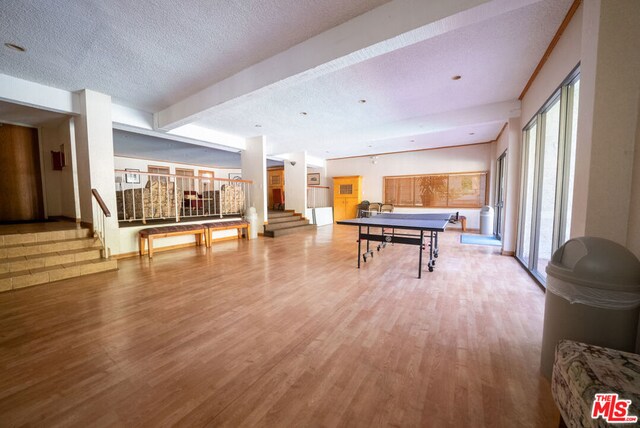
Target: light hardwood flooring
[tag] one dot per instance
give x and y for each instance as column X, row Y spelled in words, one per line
column 280, row 332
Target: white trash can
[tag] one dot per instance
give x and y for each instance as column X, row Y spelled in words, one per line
column 486, row 220
column 593, row 296
column 252, row 218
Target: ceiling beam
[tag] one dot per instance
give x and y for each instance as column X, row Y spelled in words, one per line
column 31, row 94
column 382, row 30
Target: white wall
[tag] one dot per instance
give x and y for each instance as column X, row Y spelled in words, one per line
column 129, row 237
column 295, row 182
column 452, row 159
column 564, row 58
column 59, row 185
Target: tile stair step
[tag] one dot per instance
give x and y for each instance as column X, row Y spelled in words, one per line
column 15, row 264
column 288, row 231
column 284, row 219
column 40, row 237
column 286, row 225
column 28, row 278
column 277, row 214
column 47, row 247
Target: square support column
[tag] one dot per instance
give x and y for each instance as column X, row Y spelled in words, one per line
column 254, row 168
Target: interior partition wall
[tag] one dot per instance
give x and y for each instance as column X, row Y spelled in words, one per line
column 548, row 160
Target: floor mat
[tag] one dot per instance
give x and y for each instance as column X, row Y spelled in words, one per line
column 480, row 240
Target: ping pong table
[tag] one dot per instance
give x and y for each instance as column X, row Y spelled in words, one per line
column 432, row 223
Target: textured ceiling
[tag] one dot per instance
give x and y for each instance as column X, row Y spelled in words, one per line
column 495, row 59
column 148, row 54
column 151, row 54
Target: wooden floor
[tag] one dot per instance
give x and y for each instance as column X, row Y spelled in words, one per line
column 283, row 332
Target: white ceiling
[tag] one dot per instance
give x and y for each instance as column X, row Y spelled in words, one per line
column 150, row 55
column 495, row 59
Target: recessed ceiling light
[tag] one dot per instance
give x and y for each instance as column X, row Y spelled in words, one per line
column 258, row 125
column 327, row 151
column 362, row 101
column 370, row 145
column 15, row 47
column 412, row 141
column 472, row 133
column 456, row 77
column 304, row 113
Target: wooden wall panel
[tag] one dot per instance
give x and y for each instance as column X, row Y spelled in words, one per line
column 20, row 176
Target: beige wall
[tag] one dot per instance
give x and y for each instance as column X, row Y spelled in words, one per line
column 633, row 238
column 454, row 159
column 58, row 185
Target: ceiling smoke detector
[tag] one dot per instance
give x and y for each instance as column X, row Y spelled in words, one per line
column 304, row 113
column 15, row 47
column 362, row 101
column 258, row 125
column 456, row 77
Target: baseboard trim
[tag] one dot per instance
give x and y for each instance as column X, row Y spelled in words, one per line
column 508, row 253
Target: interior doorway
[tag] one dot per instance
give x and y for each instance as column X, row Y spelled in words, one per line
column 501, row 169
column 20, row 175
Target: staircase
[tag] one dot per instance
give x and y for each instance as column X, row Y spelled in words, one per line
column 285, row 223
column 28, row 259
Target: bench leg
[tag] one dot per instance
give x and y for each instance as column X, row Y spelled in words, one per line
column 207, row 238
column 239, row 233
column 248, row 232
column 150, row 240
column 464, row 224
column 141, row 245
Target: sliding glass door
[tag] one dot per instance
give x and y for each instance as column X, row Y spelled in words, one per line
column 501, row 167
column 548, row 160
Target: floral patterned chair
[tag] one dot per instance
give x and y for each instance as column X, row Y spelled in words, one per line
column 580, row 371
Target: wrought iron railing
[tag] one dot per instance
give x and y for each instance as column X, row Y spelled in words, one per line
column 318, row 197
column 144, row 196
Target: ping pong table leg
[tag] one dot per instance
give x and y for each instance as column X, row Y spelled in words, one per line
column 420, row 258
column 431, row 260
column 359, row 249
column 436, row 251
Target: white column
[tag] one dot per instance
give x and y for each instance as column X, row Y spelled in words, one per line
column 94, row 151
column 295, row 182
column 608, row 112
column 254, row 168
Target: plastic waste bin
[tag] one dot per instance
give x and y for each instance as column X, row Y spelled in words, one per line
column 252, row 218
column 486, row 220
column 593, row 296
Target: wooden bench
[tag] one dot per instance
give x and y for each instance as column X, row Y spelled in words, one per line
column 151, row 233
column 226, row 225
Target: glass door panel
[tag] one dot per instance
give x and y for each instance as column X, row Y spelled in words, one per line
column 548, row 183
column 527, row 197
column 574, row 95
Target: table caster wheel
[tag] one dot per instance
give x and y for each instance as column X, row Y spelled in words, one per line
column 430, row 268
column 364, row 258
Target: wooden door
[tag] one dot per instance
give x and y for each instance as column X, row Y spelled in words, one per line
column 275, row 180
column 347, row 193
column 20, row 176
